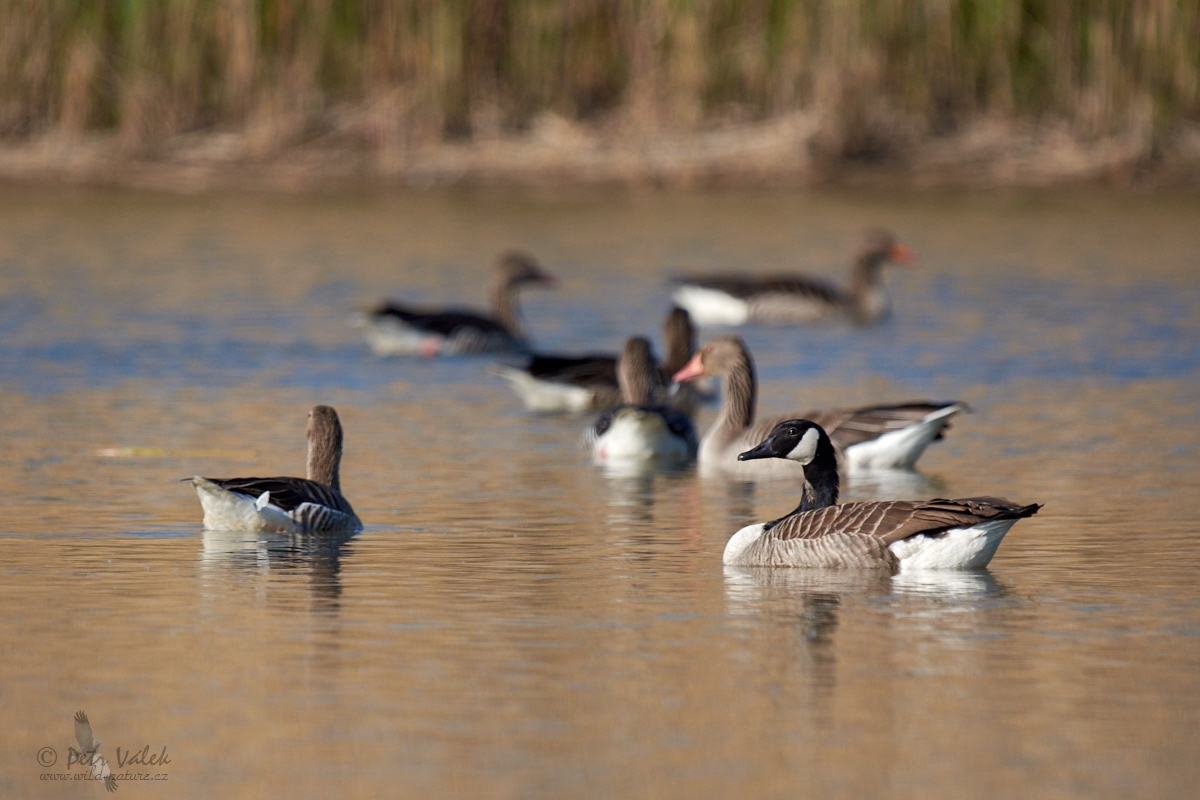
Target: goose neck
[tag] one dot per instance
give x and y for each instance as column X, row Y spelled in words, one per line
column 505, row 309
column 738, row 394
column 865, row 275
column 679, row 341
column 325, row 457
column 821, row 482
column 636, row 374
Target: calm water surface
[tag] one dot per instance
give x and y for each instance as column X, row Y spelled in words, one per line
column 512, row 622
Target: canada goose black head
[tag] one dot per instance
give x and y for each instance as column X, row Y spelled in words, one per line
column 795, row 440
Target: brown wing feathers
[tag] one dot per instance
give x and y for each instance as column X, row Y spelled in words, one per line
column 894, row 521
column 851, row 426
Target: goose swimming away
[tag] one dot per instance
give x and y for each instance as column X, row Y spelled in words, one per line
column 873, row 437
column 293, row 505
column 559, row 383
column 637, row 430
column 893, row 536
column 394, row 328
column 735, row 299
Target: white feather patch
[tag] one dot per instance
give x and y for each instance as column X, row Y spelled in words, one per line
column 806, row 448
column 710, row 306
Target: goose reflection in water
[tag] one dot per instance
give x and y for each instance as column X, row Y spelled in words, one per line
column 810, row 600
column 631, row 498
column 275, row 555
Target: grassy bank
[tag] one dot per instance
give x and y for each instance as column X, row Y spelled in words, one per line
column 870, row 76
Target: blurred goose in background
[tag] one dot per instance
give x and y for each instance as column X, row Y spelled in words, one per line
column 557, row 383
column 872, row 437
column 393, row 328
column 735, row 299
column 637, row 430
column 293, row 505
column 894, row 535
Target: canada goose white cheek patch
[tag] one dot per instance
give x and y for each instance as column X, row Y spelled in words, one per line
column 806, row 448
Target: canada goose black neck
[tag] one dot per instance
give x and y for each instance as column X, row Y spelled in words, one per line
column 820, row 476
column 324, row 447
column 636, row 372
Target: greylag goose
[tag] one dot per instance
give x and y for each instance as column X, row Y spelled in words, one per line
column 293, row 505
column 735, row 299
column 873, row 437
column 893, row 536
column 556, row 383
column 397, row 329
column 637, row 430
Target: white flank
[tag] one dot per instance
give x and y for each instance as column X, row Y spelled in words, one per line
column 229, row 511
column 545, row 396
column 900, row 449
column 636, row 436
column 957, row 548
column 388, row 336
column 738, row 543
column 711, row 307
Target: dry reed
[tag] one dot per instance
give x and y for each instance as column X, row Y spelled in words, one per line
column 404, row 71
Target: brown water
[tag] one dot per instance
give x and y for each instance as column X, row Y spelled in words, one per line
column 512, row 623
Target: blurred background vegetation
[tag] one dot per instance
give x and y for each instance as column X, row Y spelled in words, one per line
column 876, row 72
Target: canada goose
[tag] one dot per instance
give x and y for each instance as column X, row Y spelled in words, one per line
column 396, row 329
column 294, row 505
column 872, row 437
column 636, row 430
column 895, row 535
column 554, row 383
column 735, row 299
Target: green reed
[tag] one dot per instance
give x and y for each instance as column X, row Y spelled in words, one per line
column 413, row 70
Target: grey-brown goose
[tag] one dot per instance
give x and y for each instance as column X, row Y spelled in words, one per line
column 641, row 430
column 557, row 383
column 394, row 328
column 735, row 299
column 873, row 437
column 294, row 505
column 894, row 535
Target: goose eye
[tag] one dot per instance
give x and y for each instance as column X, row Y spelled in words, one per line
column 791, row 431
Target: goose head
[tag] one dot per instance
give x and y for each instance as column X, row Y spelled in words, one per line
column 807, row 444
column 517, row 267
column 881, row 246
column 795, row 440
column 718, row 357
